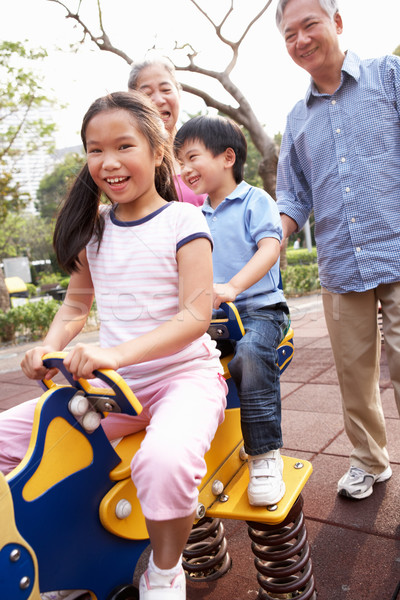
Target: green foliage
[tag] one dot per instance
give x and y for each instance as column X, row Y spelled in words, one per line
column 300, row 279
column 301, row 256
column 48, row 279
column 253, row 160
column 25, row 235
column 301, row 274
column 64, row 281
column 30, row 320
column 278, row 139
column 32, row 291
column 22, row 131
column 54, row 186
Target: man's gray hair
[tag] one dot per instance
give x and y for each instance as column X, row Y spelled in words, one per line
column 329, row 6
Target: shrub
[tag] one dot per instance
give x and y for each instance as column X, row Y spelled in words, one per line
column 300, row 279
column 64, row 281
column 32, row 290
column 301, row 256
column 48, row 278
column 30, row 320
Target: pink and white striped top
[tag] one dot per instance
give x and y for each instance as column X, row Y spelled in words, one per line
column 135, row 278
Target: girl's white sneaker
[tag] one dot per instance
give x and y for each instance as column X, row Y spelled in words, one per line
column 65, row 595
column 153, row 586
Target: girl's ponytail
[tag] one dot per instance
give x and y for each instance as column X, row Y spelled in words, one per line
column 77, row 220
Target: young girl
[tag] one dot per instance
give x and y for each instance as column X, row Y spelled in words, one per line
column 147, row 261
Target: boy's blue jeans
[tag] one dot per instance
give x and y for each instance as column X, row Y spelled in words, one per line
column 257, row 377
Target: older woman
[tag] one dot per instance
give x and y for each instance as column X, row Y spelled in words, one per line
column 156, row 78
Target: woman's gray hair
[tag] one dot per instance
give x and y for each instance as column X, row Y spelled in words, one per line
column 329, row 6
column 138, row 67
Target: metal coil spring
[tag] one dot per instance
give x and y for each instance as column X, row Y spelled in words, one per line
column 283, row 557
column 206, row 559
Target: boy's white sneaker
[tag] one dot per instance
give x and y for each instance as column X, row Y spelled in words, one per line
column 153, row 586
column 266, row 484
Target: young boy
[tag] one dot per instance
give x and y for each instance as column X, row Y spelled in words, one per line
column 246, row 230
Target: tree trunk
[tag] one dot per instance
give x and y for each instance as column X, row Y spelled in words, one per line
column 4, row 295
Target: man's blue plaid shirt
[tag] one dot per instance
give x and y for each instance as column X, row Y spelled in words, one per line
column 340, row 156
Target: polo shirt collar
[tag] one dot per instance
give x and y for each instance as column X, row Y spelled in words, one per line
column 351, row 66
column 238, row 193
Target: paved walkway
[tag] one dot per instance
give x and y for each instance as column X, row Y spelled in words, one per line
column 355, row 545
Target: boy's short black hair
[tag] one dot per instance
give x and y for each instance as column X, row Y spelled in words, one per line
column 217, row 134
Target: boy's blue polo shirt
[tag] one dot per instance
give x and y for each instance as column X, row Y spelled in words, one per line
column 245, row 217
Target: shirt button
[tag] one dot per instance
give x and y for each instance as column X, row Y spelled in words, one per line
column 343, row 159
column 347, row 189
column 338, row 130
column 358, row 249
column 333, row 102
column 214, row 218
column 353, row 220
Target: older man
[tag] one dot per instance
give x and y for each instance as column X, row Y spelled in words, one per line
column 340, row 157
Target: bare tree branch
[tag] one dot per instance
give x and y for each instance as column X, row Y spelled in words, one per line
column 103, row 42
column 242, row 113
column 218, row 30
column 262, row 11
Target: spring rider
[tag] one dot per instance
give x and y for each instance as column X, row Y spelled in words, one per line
column 70, row 517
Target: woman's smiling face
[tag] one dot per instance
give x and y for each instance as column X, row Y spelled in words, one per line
column 156, row 82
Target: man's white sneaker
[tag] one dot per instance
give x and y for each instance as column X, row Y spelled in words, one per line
column 266, row 485
column 358, row 484
column 153, row 586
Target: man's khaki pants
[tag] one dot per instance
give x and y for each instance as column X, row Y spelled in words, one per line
column 355, row 338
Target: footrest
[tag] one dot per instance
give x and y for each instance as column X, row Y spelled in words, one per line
column 232, row 502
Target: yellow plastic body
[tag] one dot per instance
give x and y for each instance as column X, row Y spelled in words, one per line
column 11, row 535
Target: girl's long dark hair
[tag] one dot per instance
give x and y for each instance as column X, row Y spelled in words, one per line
column 79, row 218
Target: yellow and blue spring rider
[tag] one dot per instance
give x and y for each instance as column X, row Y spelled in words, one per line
column 70, row 517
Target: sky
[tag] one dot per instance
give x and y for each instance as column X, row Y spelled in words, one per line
column 265, row 74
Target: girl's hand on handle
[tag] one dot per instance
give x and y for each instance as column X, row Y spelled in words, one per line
column 84, row 359
column 32, row 363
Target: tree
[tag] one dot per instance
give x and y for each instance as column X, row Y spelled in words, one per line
column 21, row 95
column 27, row 235
column 242, row 113
column 54, row 186
column 22, row 130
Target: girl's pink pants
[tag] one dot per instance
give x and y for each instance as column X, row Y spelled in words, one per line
column 180, row 414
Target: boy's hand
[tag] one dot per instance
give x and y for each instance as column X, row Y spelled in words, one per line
column 223, row 292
